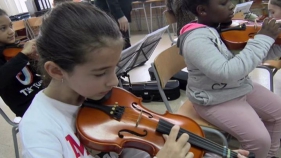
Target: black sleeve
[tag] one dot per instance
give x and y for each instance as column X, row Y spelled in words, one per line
column 11, row 68
column 115, row 9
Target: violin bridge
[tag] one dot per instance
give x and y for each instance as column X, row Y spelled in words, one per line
column 138, row 120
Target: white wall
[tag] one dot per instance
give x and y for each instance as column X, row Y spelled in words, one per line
column 9, row 6
column 13, row 7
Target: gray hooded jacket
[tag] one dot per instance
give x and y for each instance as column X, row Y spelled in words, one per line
column 216, row 75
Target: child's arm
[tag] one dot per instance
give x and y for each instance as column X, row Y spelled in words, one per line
column 274, row 52
column 205, row 56
column 10, row 69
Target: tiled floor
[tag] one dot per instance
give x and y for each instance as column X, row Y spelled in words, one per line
column 137, row 75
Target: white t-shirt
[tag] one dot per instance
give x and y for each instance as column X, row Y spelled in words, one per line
column 47, row 130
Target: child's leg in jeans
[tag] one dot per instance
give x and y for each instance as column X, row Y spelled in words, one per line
column 240, row 120
column 268, row 106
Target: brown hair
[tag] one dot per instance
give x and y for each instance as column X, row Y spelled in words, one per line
column 3, row 12
column 70, row 31
column 56, row 2
column 191, row 5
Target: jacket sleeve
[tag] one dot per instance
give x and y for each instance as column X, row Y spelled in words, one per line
column 10, row 69
column 274, row 52
column 205, row 56
column 115, row 8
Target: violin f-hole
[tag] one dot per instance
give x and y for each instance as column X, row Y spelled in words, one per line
column 120, row 135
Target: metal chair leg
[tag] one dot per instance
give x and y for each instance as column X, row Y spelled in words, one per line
column 218, row 133
column 15, row 130
column 270, row 71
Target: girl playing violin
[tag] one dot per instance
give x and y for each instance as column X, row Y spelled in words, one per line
column 218, row 83
column 18, row 81
column 78, row 52
column 79, row 47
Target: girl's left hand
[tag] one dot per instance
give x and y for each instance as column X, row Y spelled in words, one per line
column 242, row 153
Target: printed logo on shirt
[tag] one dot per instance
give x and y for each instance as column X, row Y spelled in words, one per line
column 77, row 149
column 28, row 90
column 25, row 77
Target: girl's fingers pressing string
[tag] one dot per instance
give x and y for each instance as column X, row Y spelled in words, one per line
column 174, row 133
column 189, row 155
column 183, row 139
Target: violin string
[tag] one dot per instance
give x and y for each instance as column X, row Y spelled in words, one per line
column 197, row 138
column 215, row 145
column 201, row 140
column 212, row 145
column 192, row 136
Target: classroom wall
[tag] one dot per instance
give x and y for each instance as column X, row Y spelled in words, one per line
column 13, row 7
column 10, row 6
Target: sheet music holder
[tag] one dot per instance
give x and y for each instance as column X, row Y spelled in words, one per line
column 147, row 48
column 127, row 56
column 139, row 53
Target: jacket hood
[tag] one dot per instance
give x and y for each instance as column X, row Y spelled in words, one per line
column 190, row 27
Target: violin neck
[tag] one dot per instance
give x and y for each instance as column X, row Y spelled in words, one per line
column 239, row 27
column 165, row 127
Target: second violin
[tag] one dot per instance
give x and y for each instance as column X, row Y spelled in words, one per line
column 236, row 39
column 11, row 51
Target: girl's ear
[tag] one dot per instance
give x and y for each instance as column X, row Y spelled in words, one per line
column 201, row 10
column 53, row 70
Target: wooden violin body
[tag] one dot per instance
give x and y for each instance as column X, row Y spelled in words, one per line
column 136, row 128
column 12, row 50
column 120, row 121
column 237, row 39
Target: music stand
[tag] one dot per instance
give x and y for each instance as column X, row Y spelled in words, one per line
column 126, row 58
column 140, row 54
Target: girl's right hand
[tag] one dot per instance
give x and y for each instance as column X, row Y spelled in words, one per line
column 29, row 49
column 270, row 28
column 175, row 148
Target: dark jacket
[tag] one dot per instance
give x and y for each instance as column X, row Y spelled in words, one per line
column 117, row 8
column 18, row 82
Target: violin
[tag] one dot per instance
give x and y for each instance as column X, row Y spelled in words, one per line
column 120, row 121
column 12, row 50
column 237, row 37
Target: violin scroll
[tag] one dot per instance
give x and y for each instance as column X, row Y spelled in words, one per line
column 240, row 27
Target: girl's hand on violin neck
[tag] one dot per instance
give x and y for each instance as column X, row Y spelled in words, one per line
column 270, row 28
column 29, row 49
column 242, row 153
column 175, row 148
